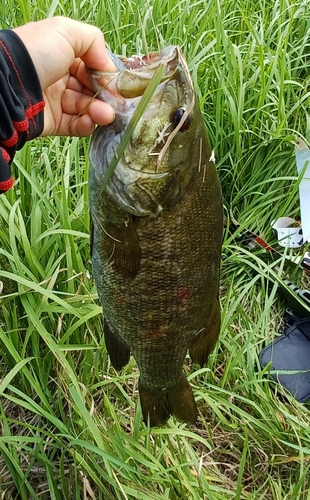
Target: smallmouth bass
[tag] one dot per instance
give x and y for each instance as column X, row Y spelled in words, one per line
column 156, row 231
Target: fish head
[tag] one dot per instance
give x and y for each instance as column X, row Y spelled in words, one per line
column 162, row 156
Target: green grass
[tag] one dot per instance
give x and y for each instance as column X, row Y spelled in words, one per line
column 70, row 425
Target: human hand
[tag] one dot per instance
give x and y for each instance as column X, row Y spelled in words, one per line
column 60, row 49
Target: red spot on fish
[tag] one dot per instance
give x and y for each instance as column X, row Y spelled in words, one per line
column 158, row 333
column 183, row 293
column 121, row 300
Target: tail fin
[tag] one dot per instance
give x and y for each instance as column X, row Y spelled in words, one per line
column 118, row 350
column 158, row 404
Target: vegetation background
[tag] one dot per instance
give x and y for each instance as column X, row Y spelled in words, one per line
column 70, row 425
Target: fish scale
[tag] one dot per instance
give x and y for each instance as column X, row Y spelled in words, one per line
column 156, row 246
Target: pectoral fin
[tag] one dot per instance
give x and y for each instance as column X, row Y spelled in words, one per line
column 120, row 246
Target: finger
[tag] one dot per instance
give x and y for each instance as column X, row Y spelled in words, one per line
column 76, row 103
column 87, row 43
column 80, row 126
column 78, row 71
column 99, row 112
column 74, row 84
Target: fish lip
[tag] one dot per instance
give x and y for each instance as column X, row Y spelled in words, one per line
column 168, row 55
column 124, row 88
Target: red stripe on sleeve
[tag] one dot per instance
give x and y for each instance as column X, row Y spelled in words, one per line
column 6, row 185
column 16, row 71
column 32, row 110
column 23, row 126
column 12, row 141
column 35, row 109
column 5, row 155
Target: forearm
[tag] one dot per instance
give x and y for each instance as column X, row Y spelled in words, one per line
column 21, row 102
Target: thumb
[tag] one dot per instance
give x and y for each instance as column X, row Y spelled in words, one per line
column 55, row 43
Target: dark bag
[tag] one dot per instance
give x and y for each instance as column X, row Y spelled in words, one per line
column 290, row 359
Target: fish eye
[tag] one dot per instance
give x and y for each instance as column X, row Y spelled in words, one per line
column 176, row 118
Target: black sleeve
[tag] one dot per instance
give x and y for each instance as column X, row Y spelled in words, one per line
column 21, row 102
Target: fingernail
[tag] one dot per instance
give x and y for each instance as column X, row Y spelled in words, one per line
column 111, row 68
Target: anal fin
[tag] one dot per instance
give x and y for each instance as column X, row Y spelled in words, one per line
column 117, row 348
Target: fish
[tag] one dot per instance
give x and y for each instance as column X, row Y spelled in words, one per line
column 156, row 231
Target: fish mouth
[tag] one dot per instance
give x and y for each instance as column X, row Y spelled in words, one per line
column 124, row 88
